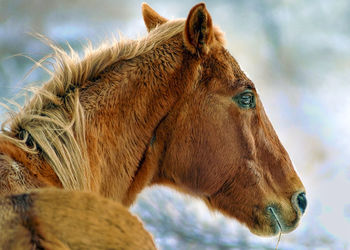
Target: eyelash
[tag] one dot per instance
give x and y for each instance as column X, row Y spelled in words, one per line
column 245, row 99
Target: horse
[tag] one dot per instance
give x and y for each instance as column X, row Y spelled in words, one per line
column 173, row 108
column 52, row 218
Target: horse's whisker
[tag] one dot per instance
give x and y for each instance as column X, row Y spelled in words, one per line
column 279, row 225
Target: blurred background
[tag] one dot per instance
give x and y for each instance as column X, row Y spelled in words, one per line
column 297, row 52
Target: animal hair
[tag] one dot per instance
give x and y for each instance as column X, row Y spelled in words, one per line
column 52, row 123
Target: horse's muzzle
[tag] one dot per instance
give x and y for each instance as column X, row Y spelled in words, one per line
column 279, row 223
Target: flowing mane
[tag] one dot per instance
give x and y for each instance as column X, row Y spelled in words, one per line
column 52, row 123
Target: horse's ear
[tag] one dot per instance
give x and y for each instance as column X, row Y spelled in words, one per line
column 151, row 18
column 199, row 31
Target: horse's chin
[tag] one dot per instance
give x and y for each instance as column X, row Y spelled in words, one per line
column 275, row 224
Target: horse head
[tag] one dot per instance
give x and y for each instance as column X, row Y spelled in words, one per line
column 217, row 142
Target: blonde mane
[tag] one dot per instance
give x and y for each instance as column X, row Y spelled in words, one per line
column 52, row 123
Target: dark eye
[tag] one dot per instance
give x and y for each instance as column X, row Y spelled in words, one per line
column 245, row 99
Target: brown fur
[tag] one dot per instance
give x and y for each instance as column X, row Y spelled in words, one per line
column 158, row 111
column 61, row 219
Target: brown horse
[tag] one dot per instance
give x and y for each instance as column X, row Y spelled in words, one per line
column 173, row 108
column 50, row 218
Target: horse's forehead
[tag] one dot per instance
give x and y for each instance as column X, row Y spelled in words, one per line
column 233, row 64
column 222, row 65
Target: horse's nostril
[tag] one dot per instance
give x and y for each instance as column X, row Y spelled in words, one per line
column 302, row 202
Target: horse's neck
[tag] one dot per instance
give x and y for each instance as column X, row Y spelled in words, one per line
column 123, row 108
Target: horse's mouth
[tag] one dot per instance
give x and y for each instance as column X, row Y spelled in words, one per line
column 279, row 225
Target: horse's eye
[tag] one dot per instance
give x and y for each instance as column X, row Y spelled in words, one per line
column 245, row 99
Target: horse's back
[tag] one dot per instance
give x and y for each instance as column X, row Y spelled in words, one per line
column 60, row 219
